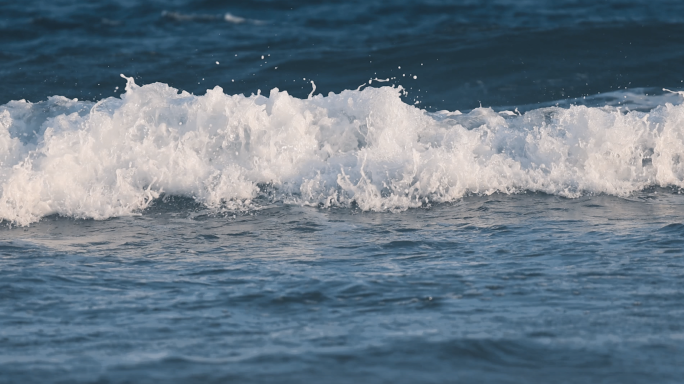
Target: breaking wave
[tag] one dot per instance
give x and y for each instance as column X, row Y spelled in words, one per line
column 364, row 148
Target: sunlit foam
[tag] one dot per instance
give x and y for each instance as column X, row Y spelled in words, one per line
column 363, row 148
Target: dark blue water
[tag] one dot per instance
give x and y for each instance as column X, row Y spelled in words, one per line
column 360, row 237
column 464, row 52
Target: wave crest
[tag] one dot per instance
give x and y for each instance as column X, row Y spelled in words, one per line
column 366, row 148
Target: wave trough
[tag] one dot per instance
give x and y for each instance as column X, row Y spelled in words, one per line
column 365, row 148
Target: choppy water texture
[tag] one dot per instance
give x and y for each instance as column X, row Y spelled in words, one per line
column 323, row 192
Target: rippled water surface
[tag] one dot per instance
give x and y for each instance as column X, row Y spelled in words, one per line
column 506, row 209
column 465, row 53
column 499, row 288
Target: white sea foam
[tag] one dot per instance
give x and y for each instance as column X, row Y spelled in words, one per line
column 365, row 148
column 227, row 17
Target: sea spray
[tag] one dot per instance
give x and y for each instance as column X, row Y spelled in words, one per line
column 364, row 148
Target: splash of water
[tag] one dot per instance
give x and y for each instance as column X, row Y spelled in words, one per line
column 365, row 148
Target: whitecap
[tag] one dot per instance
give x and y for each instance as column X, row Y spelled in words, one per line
column 363, row 148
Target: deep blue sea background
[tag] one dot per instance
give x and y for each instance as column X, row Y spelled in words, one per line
column 490, row 287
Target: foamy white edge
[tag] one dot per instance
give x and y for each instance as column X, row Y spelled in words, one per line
column 367, row 147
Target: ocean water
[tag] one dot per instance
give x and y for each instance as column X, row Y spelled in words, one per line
column 372, row 192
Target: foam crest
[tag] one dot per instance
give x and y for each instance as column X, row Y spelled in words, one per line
column 362, row 148
column 227, row 17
